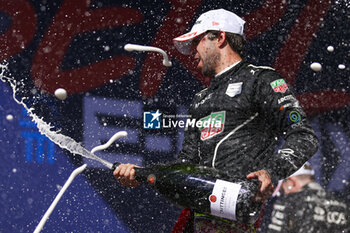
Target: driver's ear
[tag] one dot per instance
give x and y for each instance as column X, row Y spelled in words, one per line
column 221, row 38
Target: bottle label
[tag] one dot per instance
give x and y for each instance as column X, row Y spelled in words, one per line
column 223, row 199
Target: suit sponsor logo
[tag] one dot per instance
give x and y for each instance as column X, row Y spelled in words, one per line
column 234, row 89
column 208, row 97
column 336, row 217
column 216, row 125
column 294, row 117
column 286, row 98
column 279, row 86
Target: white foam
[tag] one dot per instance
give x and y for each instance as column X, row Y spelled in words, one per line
column 315, row 66
column 9, row 117
column 61, row 140
column 110, row 141
column 330, row 48
column 106, row 48
column 341, row 66
column 61, row 93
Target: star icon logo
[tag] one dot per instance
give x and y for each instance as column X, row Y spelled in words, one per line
column 156, row 115
column 152, row 120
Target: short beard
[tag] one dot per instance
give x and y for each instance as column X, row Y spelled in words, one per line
column 210, row 63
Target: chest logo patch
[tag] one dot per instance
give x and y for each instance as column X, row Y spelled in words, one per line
column 279, row 85
column 234, row 89
column 212, row 125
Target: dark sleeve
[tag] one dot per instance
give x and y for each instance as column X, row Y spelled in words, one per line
column 190, row 145
column 284, row 116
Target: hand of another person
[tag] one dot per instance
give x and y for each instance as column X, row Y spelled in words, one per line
column 266, row 187
column 125, row 174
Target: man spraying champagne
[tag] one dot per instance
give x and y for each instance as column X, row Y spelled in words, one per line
column 256, row 107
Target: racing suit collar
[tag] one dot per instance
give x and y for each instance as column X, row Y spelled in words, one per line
column 227, row 68
column 221, row 76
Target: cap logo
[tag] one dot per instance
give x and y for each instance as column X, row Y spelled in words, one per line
column 215, row 23
column 188, row 35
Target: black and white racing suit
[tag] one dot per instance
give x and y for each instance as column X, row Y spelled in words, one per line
column 249, row 108
column 311, row 210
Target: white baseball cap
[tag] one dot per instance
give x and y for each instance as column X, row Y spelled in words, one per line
column 218, row 20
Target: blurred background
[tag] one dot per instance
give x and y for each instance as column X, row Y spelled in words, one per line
column 78, row 45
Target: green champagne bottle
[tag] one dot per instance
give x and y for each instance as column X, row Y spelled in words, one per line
column 203, row 189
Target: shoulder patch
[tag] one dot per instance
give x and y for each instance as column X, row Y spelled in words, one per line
column 234, row 89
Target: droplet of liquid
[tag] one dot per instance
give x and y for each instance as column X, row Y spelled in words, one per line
column 330, row 48
column 315, row 66
column 9, row 117
column 341, row 66
column 61, row 93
